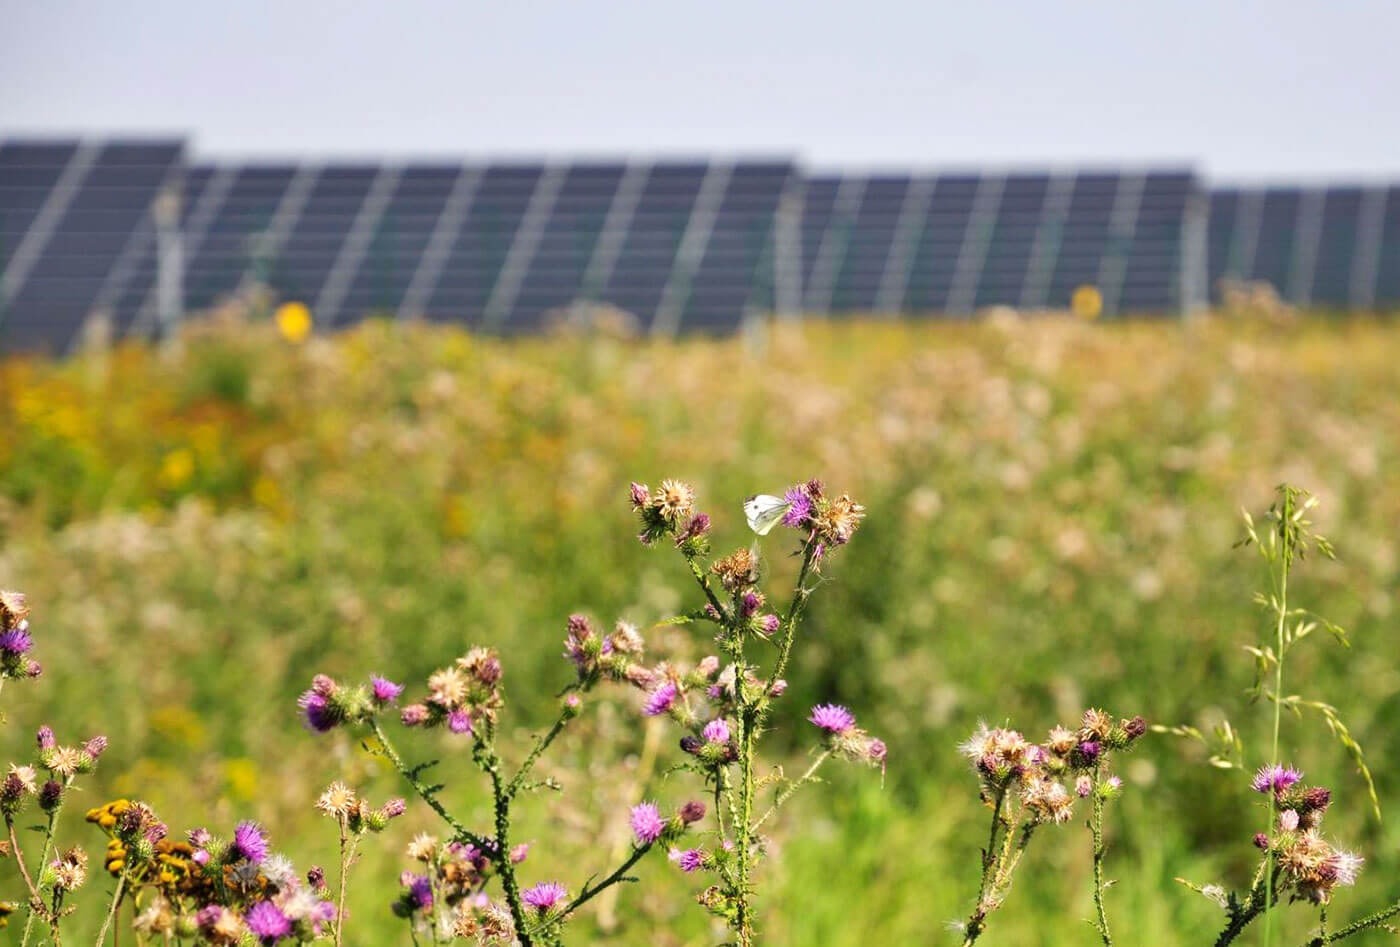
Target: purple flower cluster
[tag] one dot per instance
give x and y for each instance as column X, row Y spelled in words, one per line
column 1275, row 778
column 832, row 718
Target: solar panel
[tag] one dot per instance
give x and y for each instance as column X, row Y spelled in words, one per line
column 1274, row 251
column 1333, row 273
column 231, row 246
column 399, row 240
column 481, row 245
column 88, row 238
column 1005, row 264
column 734, row 272
column 868, row 242
column 945, row 229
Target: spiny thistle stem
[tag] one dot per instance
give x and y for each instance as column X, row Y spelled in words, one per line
column 1096, row 827
column 503, row 862
column 423, row 791
column 43, row 854
column 592, row 891
column 793, row 786
column 1367, row 923
column 541, row 744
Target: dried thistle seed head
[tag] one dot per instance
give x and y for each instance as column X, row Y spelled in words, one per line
column 1062, row 741
column 423, row 848
column 1097, row 724
column 674, row 502
column 447, row 688
column 13, row 609
column 1047, row 798
column 736, row 571
column 836, row 521
column 626, row 639
column 482, row 664
column 337, row 801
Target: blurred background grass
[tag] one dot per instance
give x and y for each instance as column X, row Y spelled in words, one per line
column 1052, row 507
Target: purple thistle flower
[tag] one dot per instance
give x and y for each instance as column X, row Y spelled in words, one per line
column 691, row 812
column 660, row 700
column 250, row 841
column 1089, row 750
column 640, row 495
column 394, row 808
column 209, row 915
column 95, row 747
column 716, row 731
column 647, row 823
column 267, row 922
column 385, row 691
column 1275, row 778
column 688, row 860
column 460, row 721
column 770, row 624
column 778, row 688
column 45, row 738
column 414, row 715
column 199, row 837
column 1114, row 783
column 877, row 751
column 420, row 889
column 1261, row 841
column 801, row 509
column 316, row 711
column 544, row 895
column 1288, row 820
column 520, row 853
column 200, row 857
column 35, row 669
column 16, row 641
column 832, row 718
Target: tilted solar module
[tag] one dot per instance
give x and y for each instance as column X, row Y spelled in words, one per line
column 1005, row 262
column 232, row 249
column 938, row 242
column 28, row 173
column 1387, row 291
column 97, row 219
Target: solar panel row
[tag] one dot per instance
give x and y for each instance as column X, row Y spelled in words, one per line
column 1334, row 246
column 683, row 246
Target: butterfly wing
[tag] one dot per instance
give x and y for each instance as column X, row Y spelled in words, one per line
column 764, row 511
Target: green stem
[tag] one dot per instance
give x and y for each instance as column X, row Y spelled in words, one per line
column 504, row 866
column 591, row 892
column 799, row 599
column 541, row 744
column 1367, row 923
column 792, row 787
column 116, row 901
column 424, row 792
column 1278, row 712
column 1096, row 827
column 44, row 853
column 977, row 921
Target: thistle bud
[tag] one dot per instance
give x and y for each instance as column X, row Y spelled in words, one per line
column 50, row 795
column 1135, row 727
column 692, row 812
column 316, row 877
column 95, row 747
column 45, row 738
column 1261, row 841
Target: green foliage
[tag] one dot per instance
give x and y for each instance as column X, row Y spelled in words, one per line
column 1048, row 527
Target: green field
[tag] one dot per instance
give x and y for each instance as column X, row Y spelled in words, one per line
column 1052, row 508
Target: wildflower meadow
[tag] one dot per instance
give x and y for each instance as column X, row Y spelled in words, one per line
column 1011, row 632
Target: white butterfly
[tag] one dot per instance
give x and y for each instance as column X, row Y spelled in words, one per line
column 764, row 512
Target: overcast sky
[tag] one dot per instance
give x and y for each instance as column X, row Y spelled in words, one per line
column 1289, row 89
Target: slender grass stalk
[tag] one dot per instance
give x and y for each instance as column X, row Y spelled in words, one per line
column 43, row 854
column 1285, row 537
column 116, row 903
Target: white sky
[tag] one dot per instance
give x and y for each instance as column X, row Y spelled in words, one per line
column 1288, row 89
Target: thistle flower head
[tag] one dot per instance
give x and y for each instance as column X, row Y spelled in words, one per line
column 70, row 869
column 337, row 801
column 16, row 641
column 45, row 738
column 319, row 712
column 660, row 700
column 414, row 715
column 384, row 690
column 95, row 747
column 716, row 731
column 250, row 841
column 1288, row 820
column 687, row 860
column 736, row 571
column 832, row 718
column 1275, row 778
column 800, row 508
column 448, row 688
column 647, row 824
column 13, row 609
column 674, row 501
column 519, row 853
column 423, row 847
column 626, row 639
column 836, row 521
column 692, row 812
column 459, row 721
column 544, row 896
column 267, row 923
